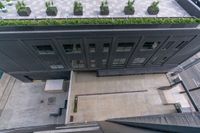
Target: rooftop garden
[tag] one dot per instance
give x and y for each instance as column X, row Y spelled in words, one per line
column 80, row 12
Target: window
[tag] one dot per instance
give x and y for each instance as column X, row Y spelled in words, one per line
column 138, row 61
column 124, row 47
column 69, row 48
column 119, row 61
column 168, row 45
column 77, row 63
column 104, row 62
column 92, row 63
column 44, row 49
column 106, row 47
column 56, row 66
column 150, row 45
column 92, row 47
column 181, row 45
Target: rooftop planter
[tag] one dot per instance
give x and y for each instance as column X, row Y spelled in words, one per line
column 51, row 10
column 78, row 8
column 104, row 9
column 100, row 23
column 2, row 7
column 22, row 9
column 153, row 9
column 129, row 8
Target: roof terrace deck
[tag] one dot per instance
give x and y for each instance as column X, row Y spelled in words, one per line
column 91, row 9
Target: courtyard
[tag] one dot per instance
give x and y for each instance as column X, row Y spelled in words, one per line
column 100, row 98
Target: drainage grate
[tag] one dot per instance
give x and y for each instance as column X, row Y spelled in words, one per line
column 51, row 100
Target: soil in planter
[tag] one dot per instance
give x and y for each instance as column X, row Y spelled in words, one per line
column 153, row 11
column 51, row 11
column 129, row 11
column 24, row 12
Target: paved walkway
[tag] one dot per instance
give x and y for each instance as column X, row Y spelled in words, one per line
column 168, row 8
column 99, row 97
column 29, row 105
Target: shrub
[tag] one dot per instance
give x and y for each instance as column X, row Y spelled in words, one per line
column 104, row 9
column 22, row 9
column 153, row 9
column 97, row 21
column 1, row 5
column 129, row 8
column 78, row 8
column 51, row 10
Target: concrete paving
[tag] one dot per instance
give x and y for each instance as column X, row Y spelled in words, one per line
column 168, row 8
column 95, row 107
column 29, row 105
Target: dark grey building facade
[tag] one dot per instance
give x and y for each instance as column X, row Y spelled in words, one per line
column 40, row 53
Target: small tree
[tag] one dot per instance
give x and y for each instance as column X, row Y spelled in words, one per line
column 153, row 9
column 78, row 8
column 51, row 10
column 104, row 9
column 129, row 8
column 22, row 9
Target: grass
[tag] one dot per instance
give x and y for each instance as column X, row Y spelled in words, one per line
column 97, row 21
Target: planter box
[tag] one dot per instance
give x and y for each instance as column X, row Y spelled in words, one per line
column 105, row 11
column 78, row 13
column 24, row 12
column 151, row 12
column 52, row 11
column 129, row 11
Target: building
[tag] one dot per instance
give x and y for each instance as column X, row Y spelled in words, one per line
column 59, row 43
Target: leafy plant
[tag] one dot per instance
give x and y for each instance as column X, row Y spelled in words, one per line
column 22, row 9
column 104, row 9
column 129, row 8
column 8, row 0
column 1, row 5
column 20, row 5
column 78, row 8
column 153, row 9
column 49, row 4
column 97, row 21
column 51, row 9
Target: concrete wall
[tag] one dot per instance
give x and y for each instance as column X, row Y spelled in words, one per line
column 20, row 58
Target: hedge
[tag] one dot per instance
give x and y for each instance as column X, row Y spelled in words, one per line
column 96, row 21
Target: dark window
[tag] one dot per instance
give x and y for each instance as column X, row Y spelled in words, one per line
column 106, row 47
column 168, row 45
column 77, row 63
column 44, row 49
column 150, row 45
column 92, row 47
column 56, row 66
column 181, row 45
column 104, row 62
column 69, row 48
column 124, row 47
column 119, row 61
column 138, row 61
column 92, row 63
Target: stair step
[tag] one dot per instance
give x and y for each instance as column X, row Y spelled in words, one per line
column 78, row 125
column 82, row 129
